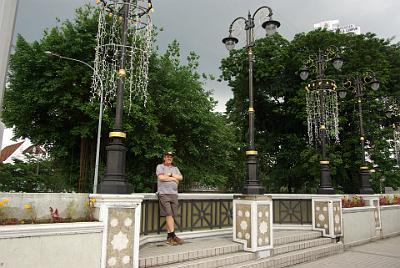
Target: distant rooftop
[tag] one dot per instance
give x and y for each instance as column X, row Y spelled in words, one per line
column 9, row 150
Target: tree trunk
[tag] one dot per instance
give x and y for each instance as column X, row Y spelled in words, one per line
column 83, row 164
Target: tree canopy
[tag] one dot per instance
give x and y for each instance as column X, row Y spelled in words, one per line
column 50, row 102
column 287, row 163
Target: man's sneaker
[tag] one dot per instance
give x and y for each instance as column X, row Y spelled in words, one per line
column 171, row 241
column 178, row 241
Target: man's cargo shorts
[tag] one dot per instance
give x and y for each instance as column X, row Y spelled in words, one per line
column 168, row 204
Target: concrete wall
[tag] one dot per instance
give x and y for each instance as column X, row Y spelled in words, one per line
column 51, row 245
column 390, row 216
column 41, row 202
column 359, row 225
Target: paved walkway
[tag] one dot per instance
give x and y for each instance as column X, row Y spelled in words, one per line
column 380, row 254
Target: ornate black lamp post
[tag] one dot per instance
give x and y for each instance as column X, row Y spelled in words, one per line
column 356, row 84
column 252, row 184
column 114, row 62
column 322, row 107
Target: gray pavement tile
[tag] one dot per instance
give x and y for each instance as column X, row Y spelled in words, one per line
column 382, row 253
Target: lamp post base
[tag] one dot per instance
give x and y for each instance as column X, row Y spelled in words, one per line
column 365, row 185
column 114, row 181
column 325, row 186
column 253, row 189
column 252, row 185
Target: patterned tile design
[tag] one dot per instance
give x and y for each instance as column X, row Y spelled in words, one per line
column 322, row 215
column 243, row 222
column 337, row 218
column 121, row 227
column 263, row 221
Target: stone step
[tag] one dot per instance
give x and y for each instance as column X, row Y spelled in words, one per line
column 292, row 258
column 285, row 248
column 216, row 261
column 287, row 237
column 159, row 254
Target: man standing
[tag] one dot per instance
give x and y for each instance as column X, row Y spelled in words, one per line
column 168, row 178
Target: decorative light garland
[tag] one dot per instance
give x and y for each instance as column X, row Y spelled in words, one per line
column 396, row 138
column 322, row 104
column 109, row 48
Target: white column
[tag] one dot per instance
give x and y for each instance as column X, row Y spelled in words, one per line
column 121, row 216
column 8, row 10
column 373, row 201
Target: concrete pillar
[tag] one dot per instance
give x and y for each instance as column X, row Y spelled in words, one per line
column 252, row 223
column 121, row 217
column 327, row 215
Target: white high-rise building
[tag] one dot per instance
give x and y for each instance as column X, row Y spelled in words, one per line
column 334, row 25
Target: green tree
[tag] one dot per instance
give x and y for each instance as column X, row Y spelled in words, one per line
column 32, row 176
column 287, row 162
column 49, row 101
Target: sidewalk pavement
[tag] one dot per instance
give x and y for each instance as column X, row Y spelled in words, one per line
column 383, row 253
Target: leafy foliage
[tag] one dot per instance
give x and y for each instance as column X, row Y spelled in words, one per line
column 287, row 163
column 32, row 176
column 49, row 102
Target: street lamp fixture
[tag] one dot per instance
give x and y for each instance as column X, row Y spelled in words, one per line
column 252, row 184
column 356, row 84
column 322, row 107
column 100, row 120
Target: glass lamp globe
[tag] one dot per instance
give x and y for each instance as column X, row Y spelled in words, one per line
column 304, row 72
column 342, row 94
column 375, row 84
column 271, row 26
column 230, row 42
column 337, row 63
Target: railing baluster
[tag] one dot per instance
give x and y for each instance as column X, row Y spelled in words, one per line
column 146, row 216
column 301, row 212
column 191, row 215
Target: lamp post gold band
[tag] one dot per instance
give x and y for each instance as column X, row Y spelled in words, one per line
column 322, row 127
column 364, row 168
column 324, row 162
column 251, row 110
column 251, row 152
column 121, row 73
column 117, row 134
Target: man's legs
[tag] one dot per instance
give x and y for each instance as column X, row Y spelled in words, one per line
column 170, row 223
column 169, row 208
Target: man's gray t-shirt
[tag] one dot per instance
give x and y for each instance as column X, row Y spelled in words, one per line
column 167, row 187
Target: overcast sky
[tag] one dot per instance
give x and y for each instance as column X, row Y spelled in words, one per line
column 199, row 25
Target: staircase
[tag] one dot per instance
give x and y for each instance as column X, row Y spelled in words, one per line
column 290, row 247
